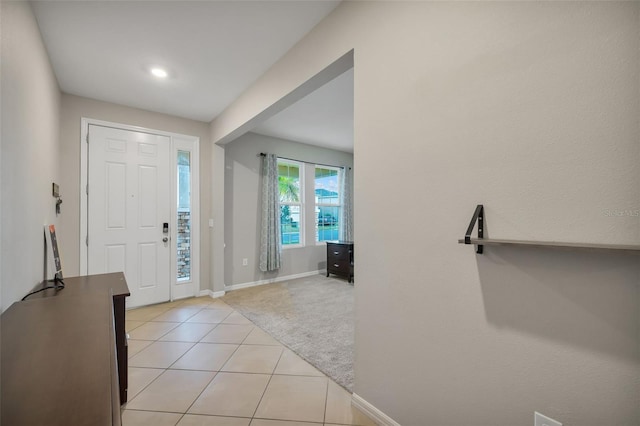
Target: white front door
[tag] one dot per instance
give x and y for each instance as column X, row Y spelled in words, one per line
column 129, row 192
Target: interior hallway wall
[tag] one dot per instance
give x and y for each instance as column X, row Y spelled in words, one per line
column 30, row 150
column 530, row 108
column 73, row 108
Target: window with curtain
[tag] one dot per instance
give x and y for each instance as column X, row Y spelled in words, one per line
column 290, row 185
column 346, row 201
column 270, row 240
column 328, row 206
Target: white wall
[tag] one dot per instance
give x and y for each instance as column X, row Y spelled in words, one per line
column 73, row 108
column 216, row 234
column 242, row 207
column 532, row 109
column 30, row 150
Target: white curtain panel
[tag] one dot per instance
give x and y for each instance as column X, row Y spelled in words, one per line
column 346, row 200
column 270, row 242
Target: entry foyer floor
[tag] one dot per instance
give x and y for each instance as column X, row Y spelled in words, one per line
column 198, row 362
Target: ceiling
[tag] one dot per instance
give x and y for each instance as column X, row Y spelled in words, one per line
column 323, row 118
column 212, row 50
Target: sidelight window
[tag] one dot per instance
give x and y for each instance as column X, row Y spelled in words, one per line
column 183, row 243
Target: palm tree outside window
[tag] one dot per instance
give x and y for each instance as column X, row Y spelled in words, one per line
column 291, row 206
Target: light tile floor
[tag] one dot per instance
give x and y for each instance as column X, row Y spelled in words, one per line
column 198, row 362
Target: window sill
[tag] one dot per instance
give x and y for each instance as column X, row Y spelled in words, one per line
column 292, row 246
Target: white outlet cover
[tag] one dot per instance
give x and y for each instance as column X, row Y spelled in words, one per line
column 542, row 420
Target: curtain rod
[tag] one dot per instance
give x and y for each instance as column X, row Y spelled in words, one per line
column 262, row 154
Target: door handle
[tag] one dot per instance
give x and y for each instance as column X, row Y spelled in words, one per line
column 165, row 239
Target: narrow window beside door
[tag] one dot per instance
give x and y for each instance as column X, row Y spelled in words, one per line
column 184, row 216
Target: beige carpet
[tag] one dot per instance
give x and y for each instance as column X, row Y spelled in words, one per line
column 312, row 316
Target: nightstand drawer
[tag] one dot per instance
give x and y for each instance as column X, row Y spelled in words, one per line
column 340, row 267
column 338, row 252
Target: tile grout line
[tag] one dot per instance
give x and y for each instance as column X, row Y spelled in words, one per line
column 169, row 367
column 235, row 350
column 326, row 403
column 200, row 394
column 270, row 376
column 216, row 372
column 182, row 322
column 293, row 421
column 255, row 411
column 164, row 369
column 148, row 384
column 180, row 419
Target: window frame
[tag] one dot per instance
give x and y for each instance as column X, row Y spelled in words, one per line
column 317, row 205
column 300, row 203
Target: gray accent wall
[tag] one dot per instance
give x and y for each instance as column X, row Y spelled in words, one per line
column 530, row 108
column 30, row 151
column 243, row 193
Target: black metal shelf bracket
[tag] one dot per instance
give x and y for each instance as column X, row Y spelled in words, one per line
column 480, row 241
column 478, row 216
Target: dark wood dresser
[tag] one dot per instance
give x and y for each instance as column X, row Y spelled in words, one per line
column 64, row 354
column 340, row 259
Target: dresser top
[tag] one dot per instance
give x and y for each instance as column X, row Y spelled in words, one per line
column 112, row 282
column 58, row 355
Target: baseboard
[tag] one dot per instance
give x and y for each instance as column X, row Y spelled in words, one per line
column 372, row 412
column 175, row 299
column 212, row 294
column 206, row 293
column 271, row 280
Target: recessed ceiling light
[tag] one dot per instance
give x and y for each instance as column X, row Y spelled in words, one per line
column 159, row 72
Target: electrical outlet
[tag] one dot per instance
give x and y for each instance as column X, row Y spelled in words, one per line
column 542, row 420
column 245, row 262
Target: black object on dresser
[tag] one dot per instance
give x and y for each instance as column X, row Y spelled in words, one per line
column 340, row 259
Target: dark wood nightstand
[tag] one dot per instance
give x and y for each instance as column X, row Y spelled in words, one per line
column 340, row 259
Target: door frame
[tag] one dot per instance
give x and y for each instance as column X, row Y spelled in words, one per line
column 178, row 141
